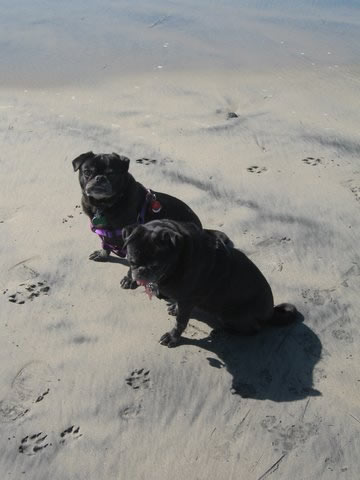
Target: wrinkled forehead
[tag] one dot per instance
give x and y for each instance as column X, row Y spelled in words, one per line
column 100, row 163
column 142, row 244
column 155, row 229
column 139, row 241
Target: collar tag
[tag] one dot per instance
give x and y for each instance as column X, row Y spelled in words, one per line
column 156, row 206
column 99, row 219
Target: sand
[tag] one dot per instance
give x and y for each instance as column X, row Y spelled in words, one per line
column 86, row 390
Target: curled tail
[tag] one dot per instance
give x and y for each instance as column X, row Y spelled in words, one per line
column 284, row 314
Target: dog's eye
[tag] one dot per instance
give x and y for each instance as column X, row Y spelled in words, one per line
column 86, row 173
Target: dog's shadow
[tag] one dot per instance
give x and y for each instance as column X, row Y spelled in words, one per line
column 276, row 364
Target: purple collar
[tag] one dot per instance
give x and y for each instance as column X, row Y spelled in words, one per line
column 110, row 238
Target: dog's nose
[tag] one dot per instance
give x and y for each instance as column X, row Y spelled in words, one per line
column 100, row 178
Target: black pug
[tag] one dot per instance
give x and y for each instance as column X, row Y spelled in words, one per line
column 180, row 261
column 112, row 199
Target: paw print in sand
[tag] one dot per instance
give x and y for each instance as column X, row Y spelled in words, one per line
column 130, row 412
column 139, row 379
column 70, row 217
column 28, row 291
column 71, row 433
column 313, row 162
column 356, row 191
column 32, row 444
column 256, row 169
column 146, row 161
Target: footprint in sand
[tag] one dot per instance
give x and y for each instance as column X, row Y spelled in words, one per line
column 351, row 275
column 268, row 422
column 67, row 218
column 356, row 191
column 343, row 336
column 289, row 437
column 30, row 386
column 33, row 444
column 317, row 297
column 256, row 169
column 28, row 291
column 273, row 241
column 41, row 397
column 139, row 379
column 277, row 266
column 146, row 161
column 313, row 162
column 70, row 434
column 70, row 217
column 130, row 411
column 231, row 115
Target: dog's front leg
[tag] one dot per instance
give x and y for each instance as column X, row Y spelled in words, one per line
column 127, row 282
column 171, row 339
column 100, row 255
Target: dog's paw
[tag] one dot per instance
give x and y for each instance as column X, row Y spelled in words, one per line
column 172, row 309
column 169, row 339
column 128, row 283
column 99, row 255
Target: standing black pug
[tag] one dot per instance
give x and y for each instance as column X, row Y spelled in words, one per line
column 112, row 199
column 182, row 262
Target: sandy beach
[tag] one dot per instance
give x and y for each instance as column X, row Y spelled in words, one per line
column 86, row 390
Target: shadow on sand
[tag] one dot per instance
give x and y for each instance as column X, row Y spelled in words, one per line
column 276, row 364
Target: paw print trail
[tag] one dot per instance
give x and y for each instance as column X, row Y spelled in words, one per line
column 138, row 380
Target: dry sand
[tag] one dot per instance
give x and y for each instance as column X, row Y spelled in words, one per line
column 86, row 390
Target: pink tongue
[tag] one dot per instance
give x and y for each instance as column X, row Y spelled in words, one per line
column 148, row 290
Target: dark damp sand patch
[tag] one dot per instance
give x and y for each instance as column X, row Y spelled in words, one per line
column 94, row 43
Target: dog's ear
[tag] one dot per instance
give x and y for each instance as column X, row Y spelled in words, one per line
column 127, row 233
column 171, row 237
column 121, row 160
column 78, row 161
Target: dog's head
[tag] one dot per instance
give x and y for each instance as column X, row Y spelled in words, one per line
column 102, row 176
column 153, row 250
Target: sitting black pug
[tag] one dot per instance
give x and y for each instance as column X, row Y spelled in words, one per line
column 180, row 261
column 112, row 199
